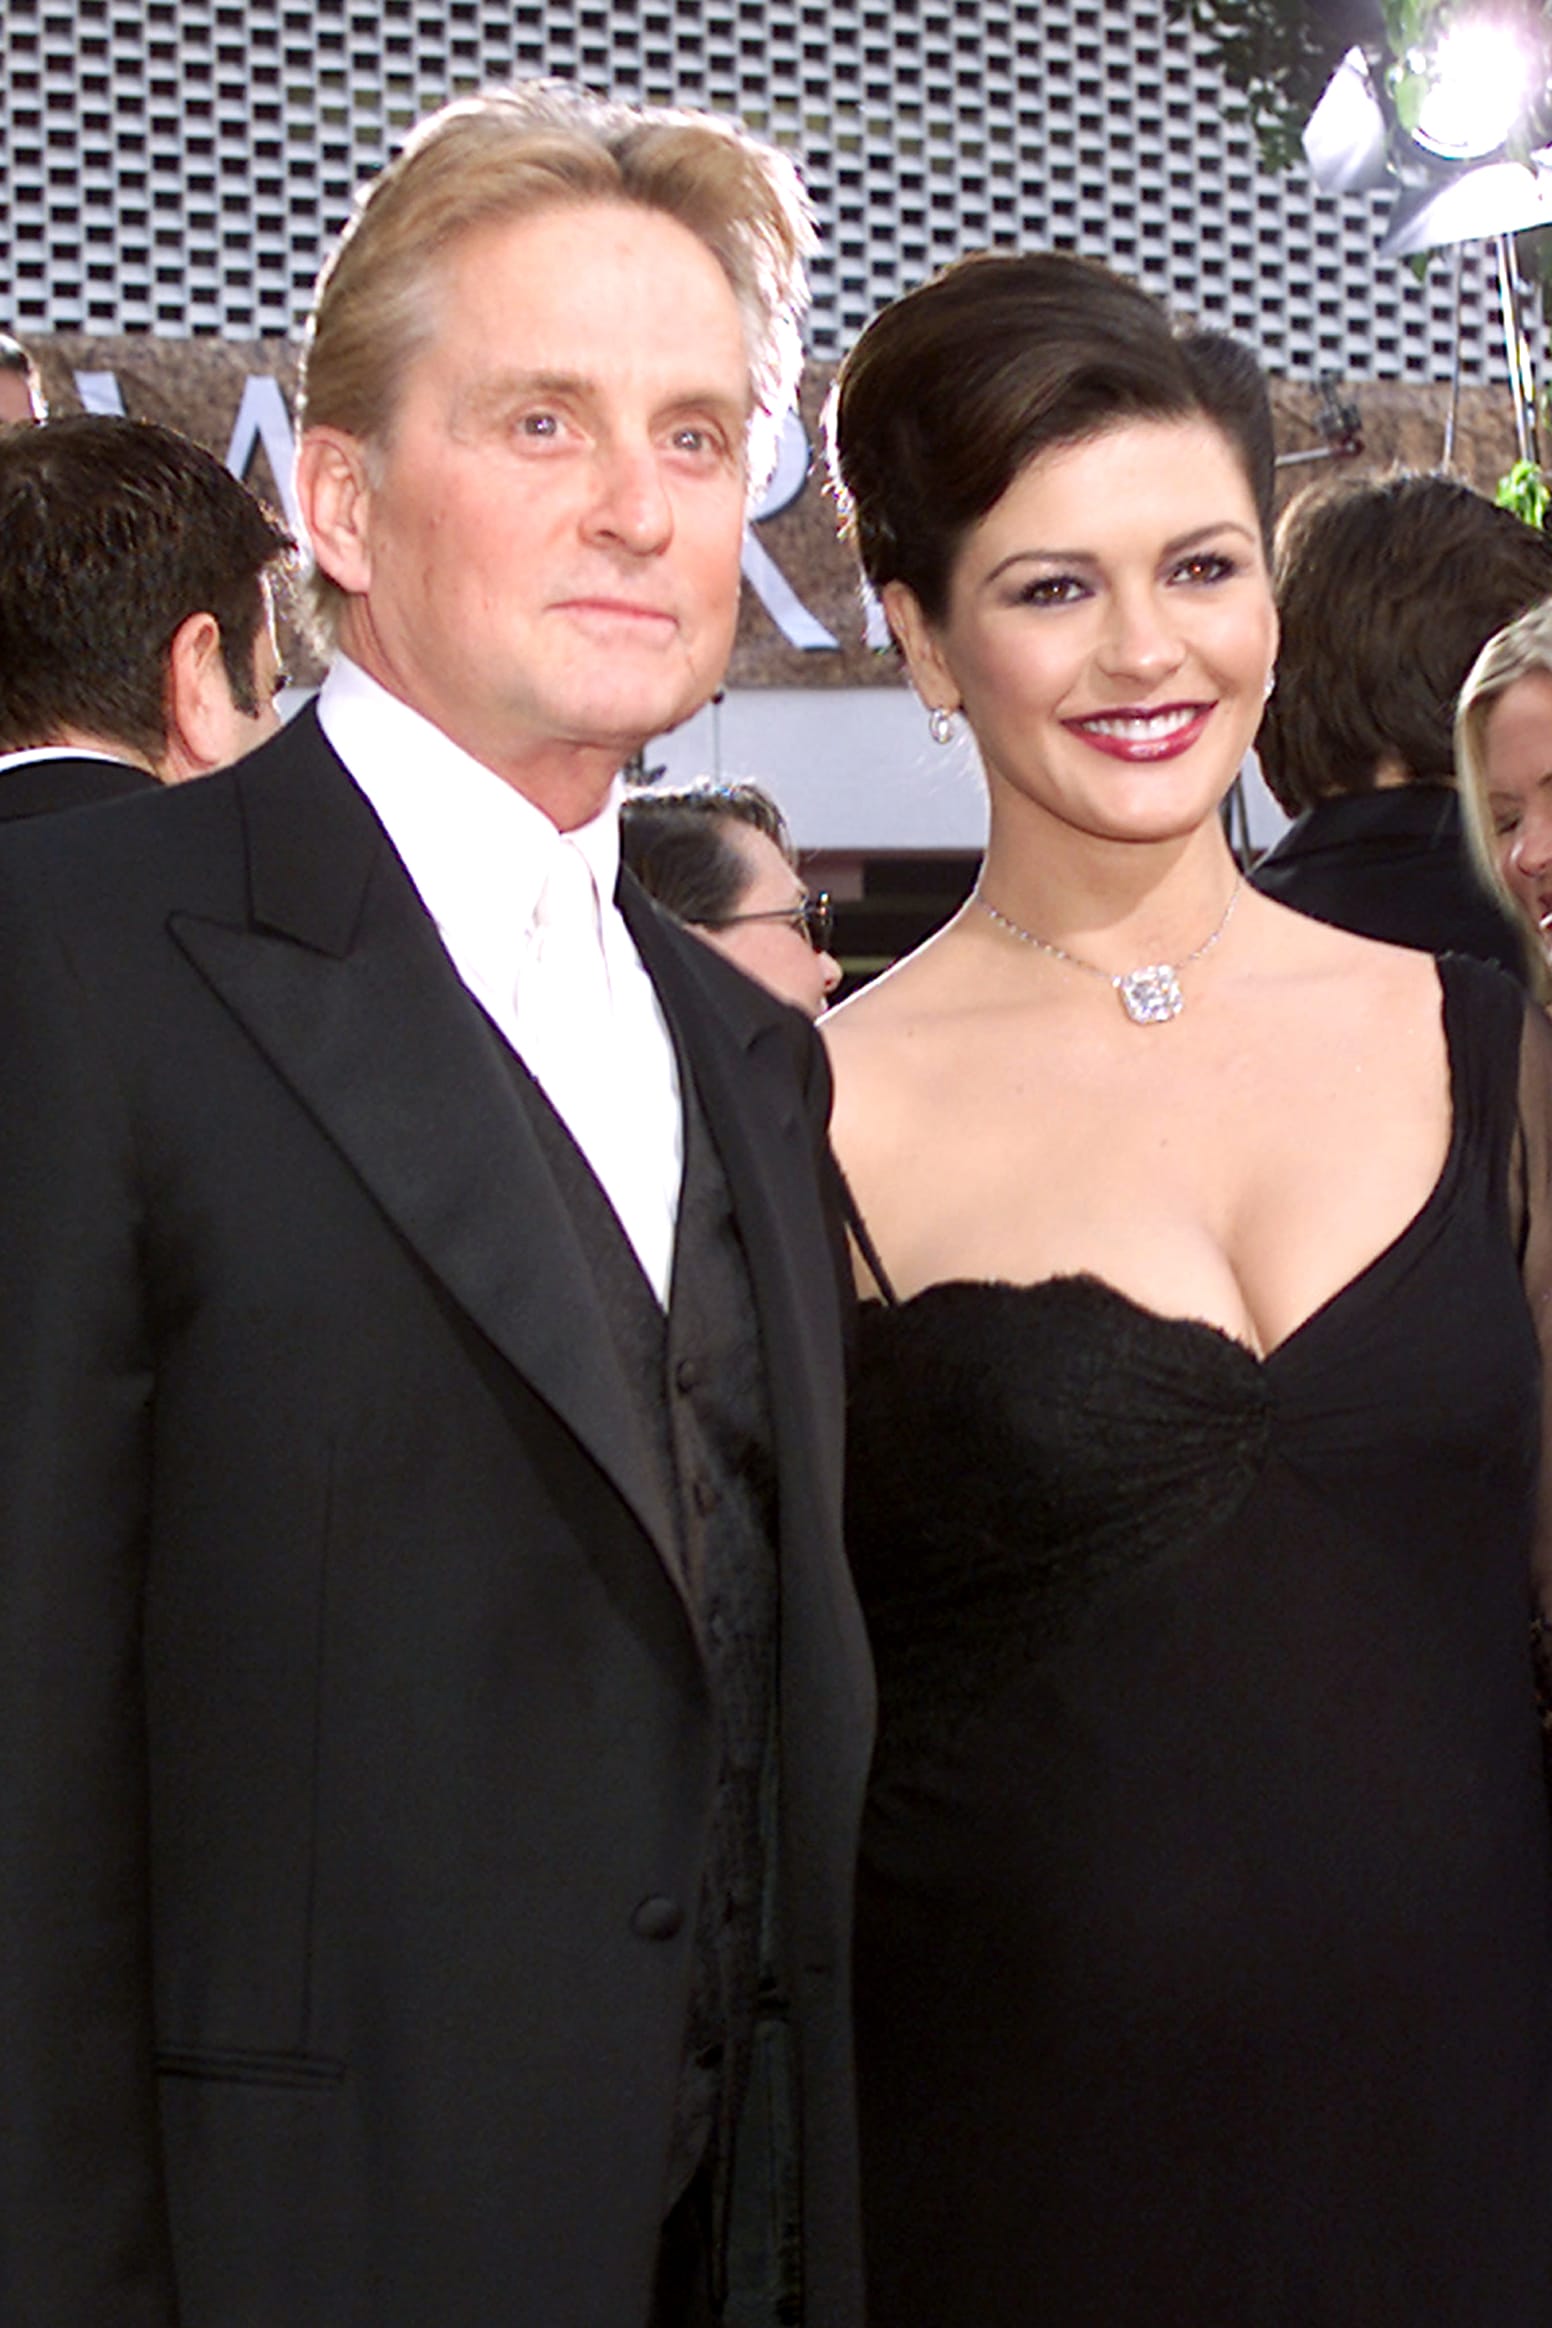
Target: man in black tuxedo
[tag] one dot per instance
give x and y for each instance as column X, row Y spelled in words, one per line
column 433, row 1709
column 137, row 615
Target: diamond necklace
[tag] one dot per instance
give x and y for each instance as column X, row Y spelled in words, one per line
column 1149, row 996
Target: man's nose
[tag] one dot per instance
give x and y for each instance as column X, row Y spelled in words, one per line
column 630, row 504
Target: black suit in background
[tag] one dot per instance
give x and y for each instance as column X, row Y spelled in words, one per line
column 66, row 780
column 1391, row 864
column 355, row 1735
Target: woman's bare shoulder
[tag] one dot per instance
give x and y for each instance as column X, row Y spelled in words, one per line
column 905, row 1004
column 893, row 1047
column 1364, row 972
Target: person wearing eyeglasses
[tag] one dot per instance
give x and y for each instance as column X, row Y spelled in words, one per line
column 720, row 859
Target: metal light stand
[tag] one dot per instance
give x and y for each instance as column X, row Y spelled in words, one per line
column 1522, row 382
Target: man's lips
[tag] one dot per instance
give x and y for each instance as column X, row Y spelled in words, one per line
column 615, row 610
column 1129, row 734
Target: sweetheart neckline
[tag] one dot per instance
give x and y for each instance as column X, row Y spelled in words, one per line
column 1262, row 1360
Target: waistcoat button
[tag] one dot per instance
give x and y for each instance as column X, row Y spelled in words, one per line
column 657, row 1918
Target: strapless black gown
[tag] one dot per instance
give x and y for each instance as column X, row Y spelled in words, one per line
column 1204, row 1966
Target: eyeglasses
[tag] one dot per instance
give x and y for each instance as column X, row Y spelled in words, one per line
column 815, row 917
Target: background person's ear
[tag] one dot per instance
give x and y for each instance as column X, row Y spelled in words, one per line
column 197, row 696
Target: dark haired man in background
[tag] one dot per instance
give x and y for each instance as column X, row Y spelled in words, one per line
column 1387, row 588
column 137, row 618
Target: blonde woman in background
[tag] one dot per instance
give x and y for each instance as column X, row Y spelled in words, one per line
column 1503, row 756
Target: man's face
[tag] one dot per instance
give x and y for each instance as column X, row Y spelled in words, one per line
column 16, row 406
column 551, row 538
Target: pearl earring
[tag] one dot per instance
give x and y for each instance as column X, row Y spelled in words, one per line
column 940, row 724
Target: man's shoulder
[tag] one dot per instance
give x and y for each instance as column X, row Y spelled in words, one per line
column 158, row 844
column 750, row 1007
column 51, row 783
column 702, row 991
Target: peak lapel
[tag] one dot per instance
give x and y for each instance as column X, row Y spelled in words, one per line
column 341, row 980
column 744, row 1050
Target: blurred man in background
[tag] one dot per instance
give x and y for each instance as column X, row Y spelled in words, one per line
column 137, row 613
column 1386, row 590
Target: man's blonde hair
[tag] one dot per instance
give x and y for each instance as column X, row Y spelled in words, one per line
column 513, row 151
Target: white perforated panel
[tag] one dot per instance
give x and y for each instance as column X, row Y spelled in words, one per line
column 178, row 166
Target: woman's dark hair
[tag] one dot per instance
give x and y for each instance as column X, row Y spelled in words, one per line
column 952, row 389
column 1387, row 587
column 676, row 842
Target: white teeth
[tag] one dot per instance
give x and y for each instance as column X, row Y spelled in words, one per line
column 1142, row 728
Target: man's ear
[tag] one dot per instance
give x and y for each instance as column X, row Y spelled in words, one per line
column 334, row 495
column 197, row 694
column 918, row 643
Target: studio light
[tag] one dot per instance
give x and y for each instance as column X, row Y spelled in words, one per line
column 1478, row 82
column 1495, row 198
column 1441, row 141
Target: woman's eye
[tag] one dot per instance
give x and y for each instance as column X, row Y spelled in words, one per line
column 1206, row 566
column 1050, row 590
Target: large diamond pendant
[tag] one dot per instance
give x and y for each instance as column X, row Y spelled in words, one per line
column 1152, row 995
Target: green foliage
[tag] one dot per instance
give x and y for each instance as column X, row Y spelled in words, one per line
column 1276, row 57
column 1279, row 54
column 1525, row 490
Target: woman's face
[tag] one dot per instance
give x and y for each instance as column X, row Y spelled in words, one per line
column 1110, row 631
column 1517, row 769
column 768, row 939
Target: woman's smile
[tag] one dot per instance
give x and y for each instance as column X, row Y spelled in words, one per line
column 1144, row 735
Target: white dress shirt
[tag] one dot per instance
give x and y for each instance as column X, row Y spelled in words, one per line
column 62, row 752
column 480, row 854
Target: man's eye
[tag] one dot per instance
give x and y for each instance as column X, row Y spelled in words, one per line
column 538, row 424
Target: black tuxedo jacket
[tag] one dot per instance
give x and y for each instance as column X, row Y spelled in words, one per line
column 66, row 780
column 355, row 1761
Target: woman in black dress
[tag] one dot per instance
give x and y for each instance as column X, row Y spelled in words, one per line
column 1204, row 1970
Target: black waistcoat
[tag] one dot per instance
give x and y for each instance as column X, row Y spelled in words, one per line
column 700, row 1378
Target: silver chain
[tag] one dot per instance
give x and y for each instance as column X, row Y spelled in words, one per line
column 1149, row 995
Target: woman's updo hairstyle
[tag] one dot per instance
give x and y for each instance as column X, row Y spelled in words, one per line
column 953, row 388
